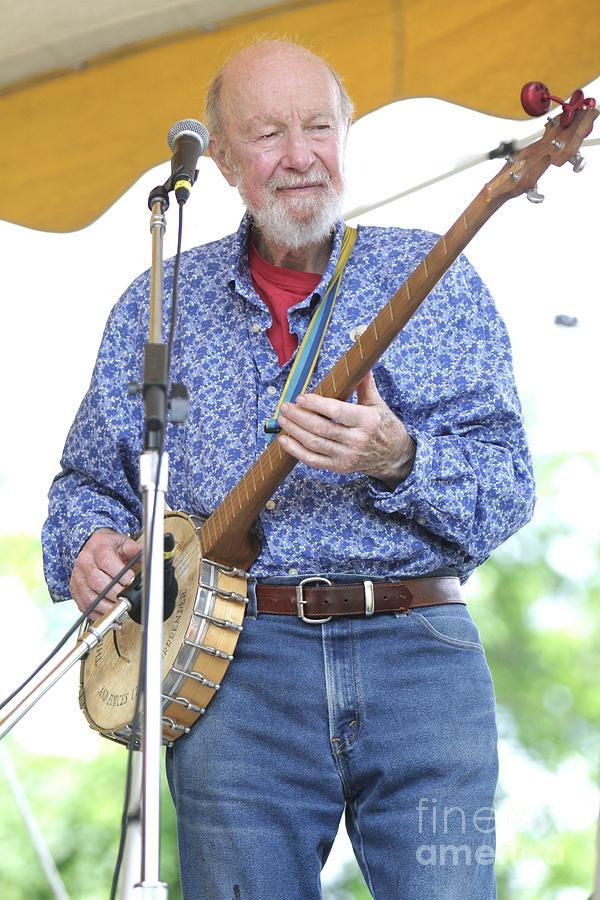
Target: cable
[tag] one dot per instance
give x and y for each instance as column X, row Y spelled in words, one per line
column 360, row 210
column 135, row 729
column 74, row 627
column 468, row 164
column 173, row 318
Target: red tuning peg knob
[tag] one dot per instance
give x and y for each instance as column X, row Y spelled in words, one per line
column 536, row 98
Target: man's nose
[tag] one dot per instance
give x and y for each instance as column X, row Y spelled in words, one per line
column 298, row 153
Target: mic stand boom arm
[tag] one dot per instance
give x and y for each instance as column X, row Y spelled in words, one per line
column 46, row 679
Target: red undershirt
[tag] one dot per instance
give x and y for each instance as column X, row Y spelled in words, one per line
column 280, row 289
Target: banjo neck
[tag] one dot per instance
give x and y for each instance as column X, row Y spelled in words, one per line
column 227, row 536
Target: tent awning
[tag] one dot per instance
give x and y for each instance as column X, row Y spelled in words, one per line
column 90, row 90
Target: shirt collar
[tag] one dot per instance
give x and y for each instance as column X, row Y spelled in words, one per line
column 239, row 273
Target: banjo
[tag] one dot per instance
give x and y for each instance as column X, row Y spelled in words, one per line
column 212, row 557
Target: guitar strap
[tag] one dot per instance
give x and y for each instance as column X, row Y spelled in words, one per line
column 308, row 351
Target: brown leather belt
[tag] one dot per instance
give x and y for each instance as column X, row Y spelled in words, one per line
column 315, row 598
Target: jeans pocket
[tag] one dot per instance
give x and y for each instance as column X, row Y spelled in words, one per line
column 449, row 623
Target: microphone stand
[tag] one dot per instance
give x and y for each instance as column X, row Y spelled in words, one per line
column 153, row 485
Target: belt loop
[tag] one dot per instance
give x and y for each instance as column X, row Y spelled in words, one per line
column 252, row 605
column 369, row 598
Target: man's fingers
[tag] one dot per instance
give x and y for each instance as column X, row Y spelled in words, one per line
column 110, row 564
column 127, row 548
column 313, row 431
column 85, row 589
column 309, row 457
column 95, row 574
column 349, row 415
column 103, row 607
column 337, row 410
column 98, row 581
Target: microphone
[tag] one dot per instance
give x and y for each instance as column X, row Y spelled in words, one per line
column 187, row 140
column 133, row 592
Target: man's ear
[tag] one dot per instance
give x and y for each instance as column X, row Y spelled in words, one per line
column 219, row 151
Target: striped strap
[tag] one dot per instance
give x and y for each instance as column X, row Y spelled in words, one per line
column 309, row 349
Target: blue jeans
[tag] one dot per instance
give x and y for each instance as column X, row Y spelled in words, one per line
column 390, row 720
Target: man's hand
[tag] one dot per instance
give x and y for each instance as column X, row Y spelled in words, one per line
column 345, row 437
column 101, row 558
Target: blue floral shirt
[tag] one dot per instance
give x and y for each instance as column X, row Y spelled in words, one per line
column 448, row 376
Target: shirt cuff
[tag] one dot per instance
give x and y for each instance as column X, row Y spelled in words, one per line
column 408, row 498
column 84, row 529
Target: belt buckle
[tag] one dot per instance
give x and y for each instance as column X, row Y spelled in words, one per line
column 300, row 601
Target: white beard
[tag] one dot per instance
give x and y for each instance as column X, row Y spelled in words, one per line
column 296, row 222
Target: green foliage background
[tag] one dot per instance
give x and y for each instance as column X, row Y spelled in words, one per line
column 541, row 628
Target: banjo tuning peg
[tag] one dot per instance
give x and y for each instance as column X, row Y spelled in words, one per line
column 578, row 162
column 534, row 196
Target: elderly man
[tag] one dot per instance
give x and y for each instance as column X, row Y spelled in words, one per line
column 387, row 717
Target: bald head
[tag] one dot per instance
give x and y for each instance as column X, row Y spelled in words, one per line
column 271, row 61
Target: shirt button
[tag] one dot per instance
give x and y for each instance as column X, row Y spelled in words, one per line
column 293, row 571
column 255, row 327
column 271, row 389
column 270, row 504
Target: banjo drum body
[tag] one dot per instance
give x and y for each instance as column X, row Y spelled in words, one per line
column 199, row 639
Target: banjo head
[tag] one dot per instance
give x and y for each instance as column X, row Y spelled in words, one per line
column 198, row 642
